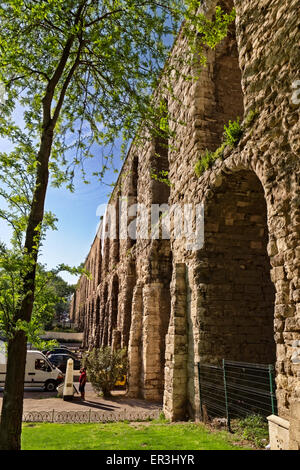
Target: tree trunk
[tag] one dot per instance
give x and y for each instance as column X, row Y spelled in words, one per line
column 12, row 409
column 12, row 406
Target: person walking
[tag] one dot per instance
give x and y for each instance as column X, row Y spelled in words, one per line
column 82, row 382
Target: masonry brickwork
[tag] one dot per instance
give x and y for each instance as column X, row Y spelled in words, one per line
column 238, row 297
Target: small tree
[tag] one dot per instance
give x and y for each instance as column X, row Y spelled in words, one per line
column 105, row 367
column 47, row 296
column 64, row 292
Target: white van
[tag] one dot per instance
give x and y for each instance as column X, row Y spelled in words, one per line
column 39, row 372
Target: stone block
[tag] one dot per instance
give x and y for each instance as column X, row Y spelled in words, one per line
column 294, row 443
column 278, row 433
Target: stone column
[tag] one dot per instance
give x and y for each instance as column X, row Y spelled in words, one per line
column 175, row 393
column 116, row 340
column 152, row 338
column 135, row 341
column 294, row 440
column 126, row 310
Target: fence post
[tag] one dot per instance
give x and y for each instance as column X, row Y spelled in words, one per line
column 226, row 396
column 200, row 392
column 271, row 369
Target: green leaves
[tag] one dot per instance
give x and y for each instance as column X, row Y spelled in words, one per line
column 232, row 135
column 50, row 292
column 104, row 90
column 105, row 367
column 119, row 49
column 233, row 132
column 203, row 32
column 212, row 32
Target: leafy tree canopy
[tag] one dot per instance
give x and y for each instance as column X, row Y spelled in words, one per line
column 86, row 66
column 51, row 295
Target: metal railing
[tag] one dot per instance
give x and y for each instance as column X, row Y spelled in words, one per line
column 88, row 416
column 236, row 390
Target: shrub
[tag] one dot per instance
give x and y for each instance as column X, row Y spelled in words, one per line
column 104, row 367
column 208, row 159
column 232, row 135
column 204, row 163
column 233, row 132
column 254, row 428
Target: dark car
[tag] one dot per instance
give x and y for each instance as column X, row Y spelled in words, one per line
column 60, row 361
column 60, row 350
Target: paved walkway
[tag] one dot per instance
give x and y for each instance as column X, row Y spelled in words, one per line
column 118, row 407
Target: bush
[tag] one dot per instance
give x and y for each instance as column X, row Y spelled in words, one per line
column 104, row 367
column 233, row 133
column 253, row 428
column 231, row 137
column 207, row 159
column 204, row 163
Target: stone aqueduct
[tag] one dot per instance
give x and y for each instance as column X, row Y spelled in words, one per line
column 238, row 297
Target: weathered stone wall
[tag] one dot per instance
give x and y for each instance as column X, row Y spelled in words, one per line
column 238, row 297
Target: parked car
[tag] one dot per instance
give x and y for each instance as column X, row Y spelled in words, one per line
column 60, row 350
column 39, row 372
column 60, row 361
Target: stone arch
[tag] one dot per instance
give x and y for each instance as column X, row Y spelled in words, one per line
column 282, row 248
column 103, row 317
column 212, row 287
column 99, row 262
column 114, row 307
column 126, row 306
column 218, row 96
column 236, row 296
column 97, row 322
column 106, row 246
column 132, row 199
column 87, row 323
column 115, row 242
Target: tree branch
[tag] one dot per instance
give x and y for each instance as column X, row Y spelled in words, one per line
column 66, row 84
column 106, row 15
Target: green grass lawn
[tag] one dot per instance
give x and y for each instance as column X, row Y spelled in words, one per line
column 123, row 436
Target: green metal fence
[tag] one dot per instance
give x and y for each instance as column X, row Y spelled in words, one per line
column 236, row 389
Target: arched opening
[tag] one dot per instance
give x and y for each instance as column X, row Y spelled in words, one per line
column 115, row 248
column 97, row 323
column 132, row 199
column 114, row 307
column 126, row 313
column 235, row 293
column 99, row 261
column 103, row 317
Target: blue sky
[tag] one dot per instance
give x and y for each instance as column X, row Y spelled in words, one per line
column 77, row 219
column 77, row 216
